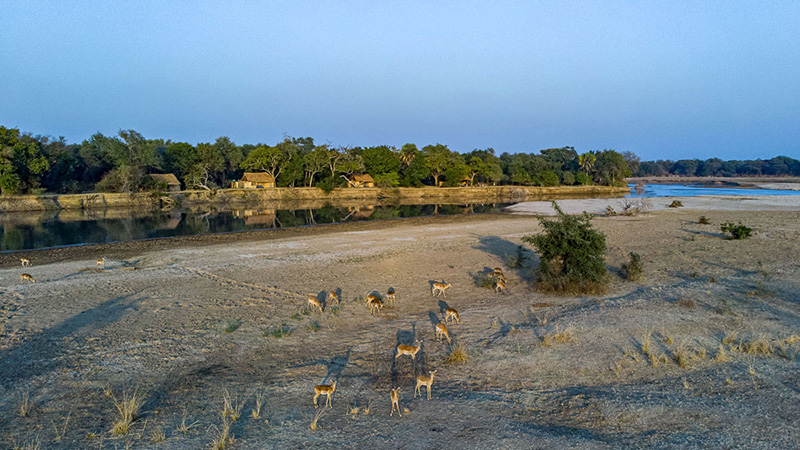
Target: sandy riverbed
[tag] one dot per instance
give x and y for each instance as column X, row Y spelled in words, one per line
column 185, row 322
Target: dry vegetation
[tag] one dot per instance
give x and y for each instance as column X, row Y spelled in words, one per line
column 226, row 356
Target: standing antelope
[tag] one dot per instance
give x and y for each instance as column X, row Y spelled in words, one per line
column 500, row 285
column 332, row 296
column 408, row 349
column 375, row 305
column 451, row 313
column 427, row 381
column 395, row 394
column 324, row 389
column 439, row 288
column 390, row 296
column 26, row 276
column 101, row 263
column 441, row 330
column 25, row 262
column 312, row 303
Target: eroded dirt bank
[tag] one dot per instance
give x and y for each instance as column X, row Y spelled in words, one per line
column 185, row 322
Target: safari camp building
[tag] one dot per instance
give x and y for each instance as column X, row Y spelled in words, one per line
column 362, row 180
column 173, row 185
column 254, row 180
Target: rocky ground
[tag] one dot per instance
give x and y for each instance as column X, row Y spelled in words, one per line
column 185, row 324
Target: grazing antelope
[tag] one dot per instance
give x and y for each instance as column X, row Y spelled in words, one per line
column 395, row 394
column 370, row 298
column 441, row 330
column 390, row 296
column 375, row 305
column 101, row 263
column 500, row 285
column 26, row 276
column 408, row 349
column 25, row 262
column 439, row 288
column 451, row 313
column 332, row 296
column 498, row 271
column 427, row 381
column 312, row 303
column 324, row 389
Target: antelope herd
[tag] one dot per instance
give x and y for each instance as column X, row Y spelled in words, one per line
column 375, row 302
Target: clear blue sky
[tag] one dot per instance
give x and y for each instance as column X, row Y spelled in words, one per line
column 664, row 79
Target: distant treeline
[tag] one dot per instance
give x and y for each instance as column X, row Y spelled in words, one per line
column 121, row 163
column 715, row 167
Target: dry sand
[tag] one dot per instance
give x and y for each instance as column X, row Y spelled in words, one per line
column 184, row 323
column 699, row 203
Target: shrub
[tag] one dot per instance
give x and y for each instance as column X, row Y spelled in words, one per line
column 387, row 180
column 582, row 179
column 703, row 220
column 676, row 204
column 737, row 231
column 568, row 178
column 572, row 254
column 634, row 269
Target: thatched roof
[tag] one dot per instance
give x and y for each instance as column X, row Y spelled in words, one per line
column 362, row 178
column 168, row 178
column 258, row 177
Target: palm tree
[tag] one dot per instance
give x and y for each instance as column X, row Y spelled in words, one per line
column 586, row 161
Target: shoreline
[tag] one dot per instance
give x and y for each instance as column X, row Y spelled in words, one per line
column 275, row 196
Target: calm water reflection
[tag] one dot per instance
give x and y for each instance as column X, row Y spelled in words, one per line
column 30, row 230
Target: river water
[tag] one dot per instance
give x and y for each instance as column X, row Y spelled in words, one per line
column 31, row 230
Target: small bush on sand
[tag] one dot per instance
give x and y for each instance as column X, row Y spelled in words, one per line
column 633, row 270
column 703, row 220
column 572, row 254
column 279, row 332
column 458, row 355
column 737, row 231
column 485, row 281
column 676, row 204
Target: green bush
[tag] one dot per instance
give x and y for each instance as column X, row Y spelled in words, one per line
column 387, row 180
column 582, row 179
column 737, row 231
column 568, row 178
column 633, row 270
column 703, row 220
column 572, row 254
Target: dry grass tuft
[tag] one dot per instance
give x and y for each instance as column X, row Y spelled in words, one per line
column 231, row 405
column 25, row 404
column 758, row 346
column 259, row 405
column 368, row 408
column 792, row 339
column 646, row 343
column 458, row 355
column 61, row 432
column 128, row 409
column 542, row 317
column 354, row 410
column 561, row 337
column 223, row 438
column 655, row 360
column 687, row 303
column 683, row 356
column 730, row 339
column 183, row 428
column 158, row 435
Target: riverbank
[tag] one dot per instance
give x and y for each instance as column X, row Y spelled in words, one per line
column 700, row 204
column 701, row 352
column 277, row 197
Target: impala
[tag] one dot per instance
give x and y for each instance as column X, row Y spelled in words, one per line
column 326, row 390
column 427, row 381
